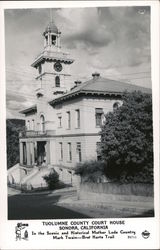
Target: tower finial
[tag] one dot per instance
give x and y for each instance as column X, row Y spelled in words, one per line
column 51, row 15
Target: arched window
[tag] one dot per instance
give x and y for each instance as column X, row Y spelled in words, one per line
column 33, row 124
column 42, row 122
column 116, row 105
column 57, row 81
column 28, row 125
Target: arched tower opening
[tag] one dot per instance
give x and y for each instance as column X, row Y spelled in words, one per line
column 57, row 81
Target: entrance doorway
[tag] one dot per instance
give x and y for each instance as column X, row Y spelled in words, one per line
column 41, row 152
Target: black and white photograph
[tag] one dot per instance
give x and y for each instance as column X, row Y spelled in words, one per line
column 79, row 113
column 79, row 120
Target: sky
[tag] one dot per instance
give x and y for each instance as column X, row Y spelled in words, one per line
column 114, row 41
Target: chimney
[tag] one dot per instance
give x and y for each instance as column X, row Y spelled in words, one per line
column 95, row 75
column 77, row 83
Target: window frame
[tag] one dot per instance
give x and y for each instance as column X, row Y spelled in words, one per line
column 42, row 123
column 68, row 119
column 28, row 125
column 79, row 151
column 61, row 151
column 98, row 117
column 57, row 81
column 116, row 105
column 69, row 145
column 33, row 124
column 78, row 117
column 59, row 120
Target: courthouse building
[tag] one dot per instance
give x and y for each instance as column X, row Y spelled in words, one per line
column 62, row 128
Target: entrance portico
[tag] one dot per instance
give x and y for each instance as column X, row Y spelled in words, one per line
column 34, row 152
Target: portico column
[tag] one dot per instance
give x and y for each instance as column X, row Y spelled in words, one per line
column 28, row 153
column 21, row 152
column 32, row 153
column 35, row 152
column 47, row 152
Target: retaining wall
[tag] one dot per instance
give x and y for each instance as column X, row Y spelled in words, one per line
column 102, row 192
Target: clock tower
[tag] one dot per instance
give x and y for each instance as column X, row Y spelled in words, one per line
column 53, row 65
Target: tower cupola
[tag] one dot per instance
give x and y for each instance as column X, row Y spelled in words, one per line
column 52, row 64
column 51, row 36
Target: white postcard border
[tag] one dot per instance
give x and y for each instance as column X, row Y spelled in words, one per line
column 7, row 228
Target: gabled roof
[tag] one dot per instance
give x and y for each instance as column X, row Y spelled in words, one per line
column 100, row 86
column 29, row 110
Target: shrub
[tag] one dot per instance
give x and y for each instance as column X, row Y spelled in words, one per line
column 52, row 180
column 91, row 171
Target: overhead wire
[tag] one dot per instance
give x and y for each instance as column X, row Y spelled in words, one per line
column 121, row 74
column 49, row 82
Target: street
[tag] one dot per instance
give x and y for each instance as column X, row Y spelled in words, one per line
column 38, row 206
column 63, row 204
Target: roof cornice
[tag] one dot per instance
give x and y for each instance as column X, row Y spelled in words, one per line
column 52, row 56
column 29, row 110
column 84, row 93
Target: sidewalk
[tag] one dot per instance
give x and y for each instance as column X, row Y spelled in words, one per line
column 12, row 191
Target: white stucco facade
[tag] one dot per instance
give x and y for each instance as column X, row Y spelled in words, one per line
column 65, row 144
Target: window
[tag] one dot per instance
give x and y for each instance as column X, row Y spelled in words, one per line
column 28, row 125
column 57, row 81
column 61, row 151
column 79, row 153
column 68, row 120
column 77, row 118
column 69, row 152
column 116, row 105
column 98, row 144
column 42, row 122
column 98, row 116
column 33, row 125
column 59, row 120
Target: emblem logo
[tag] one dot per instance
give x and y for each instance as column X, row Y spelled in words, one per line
column 20, row 231
column 145, row 234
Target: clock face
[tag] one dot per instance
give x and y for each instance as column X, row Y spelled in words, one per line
column 58, row 66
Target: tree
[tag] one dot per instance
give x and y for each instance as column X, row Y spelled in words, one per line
column 127, row 140
column 13, row 127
